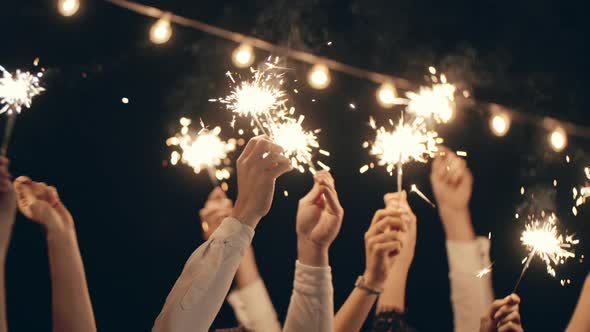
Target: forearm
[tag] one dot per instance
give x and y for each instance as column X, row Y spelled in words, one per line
column 3, row 320
column 247, row 273
column 580, row 321
column 457, row 224
column 394, row 292
column 71, row 306
column 353, row 313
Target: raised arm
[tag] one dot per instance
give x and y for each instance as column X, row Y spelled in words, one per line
column 452, row 184
column 392, row 303
column 71, row 307
column 7, row 216
column 384, row 240
column 319, row 218
column 580, row 321
column 206, row 278
column 249, row 300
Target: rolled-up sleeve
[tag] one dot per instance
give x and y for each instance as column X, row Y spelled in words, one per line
column 205, row 280
column 471, row 295
column 253, row 308
column 312, row 303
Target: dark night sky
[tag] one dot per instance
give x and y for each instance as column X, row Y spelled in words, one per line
column 137, row 221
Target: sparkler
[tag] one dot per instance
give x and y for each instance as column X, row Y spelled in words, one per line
column 298, row 144
column 437, row 101
column 414, row 189
column 407, row 142
column 486, row 270
column 205, row 151
column 16, row 91
column 259, row 97
column 542, row 239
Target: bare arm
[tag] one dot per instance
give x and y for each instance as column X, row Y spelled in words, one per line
column 71, row 306
column 580, row 321
column 7, row 217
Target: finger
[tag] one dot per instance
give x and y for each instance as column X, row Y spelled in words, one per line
column 390, row 248
column 282, row 166
column 393, row 198
column 333, row 202
column 382, row 213
column 504, row 311
column 510, row 327
column 223, row 203
column 514, row 317
column 25, row 196
column 496, row 305
column 386, row 224
column 249, row 148
column 373, row 241
column 216, row 193
column 326, row 177
column 513, row 298
column 312, row 195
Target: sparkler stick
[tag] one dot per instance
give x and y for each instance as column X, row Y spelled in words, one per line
column 526, row 267
column 212, row 176
column 7, row 133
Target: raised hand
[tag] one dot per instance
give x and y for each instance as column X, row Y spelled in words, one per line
column 384, row 241
column 452, row 181
column 503, row 316
column 319, row 217
column 260, row 164
column 217, row 208
column 40, row 202
column 407, row 216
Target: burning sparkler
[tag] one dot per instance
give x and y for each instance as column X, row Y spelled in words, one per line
column 407, row 142
column 541, row 238
column 298, row 144
column 437, row 101
column 205, row 151
column 414, row 189
column 486, row 270
column 259, row 97
column 16, row 91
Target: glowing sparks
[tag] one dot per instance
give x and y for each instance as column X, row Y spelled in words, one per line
column 437, row 101
column 258, row 97
column 486, row 270
column 18, row 90
column 298, row 144
column 203, row 151
column 407, row 142
column 417, row 191
column 542, row 239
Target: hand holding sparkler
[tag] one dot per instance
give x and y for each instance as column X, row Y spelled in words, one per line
column 452, row 184
column 319, row 218
column 260, row 164
column 503, row 316
column 392, row 201
column 217, row 208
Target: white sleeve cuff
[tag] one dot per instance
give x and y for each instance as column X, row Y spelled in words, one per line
column 468, row 256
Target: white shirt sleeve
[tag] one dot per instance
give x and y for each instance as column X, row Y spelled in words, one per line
column 471, row 295
column 312, row 303
column 205, row 280
column 254, row 309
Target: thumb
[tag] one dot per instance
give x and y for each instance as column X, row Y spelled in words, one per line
column 217, row 193
column 313, row 194
column 58, row 205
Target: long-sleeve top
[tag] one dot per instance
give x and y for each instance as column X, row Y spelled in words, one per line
column 311, row 308
column 205, row 280
column 471, row 295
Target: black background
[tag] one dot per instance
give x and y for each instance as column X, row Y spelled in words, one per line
column 137, row 220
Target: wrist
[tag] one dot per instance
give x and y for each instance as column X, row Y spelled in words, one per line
column 312, row 254
column 457, row 223
column 61, row 236
column 372, row 280
column 244, row 216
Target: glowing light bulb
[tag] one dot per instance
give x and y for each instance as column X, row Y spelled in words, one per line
column 68, row 7
column 500, row 124
column 558, row 139
column 161, row 31
column 386, row 95
column 243, row 56
column 319, row 77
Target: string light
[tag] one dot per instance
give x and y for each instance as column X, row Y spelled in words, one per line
column 319, row 77
column 500, row 124
column 243, row 56
column 386, row 95
column 558, row 139
column 161, row 31
column 68, row 7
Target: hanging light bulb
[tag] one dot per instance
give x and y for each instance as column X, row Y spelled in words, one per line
column 161, row 31
column 500, row 123
column 319, row 77
column 386, row 95
column 68, row 7
column 558, row 139
column 243, row 56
